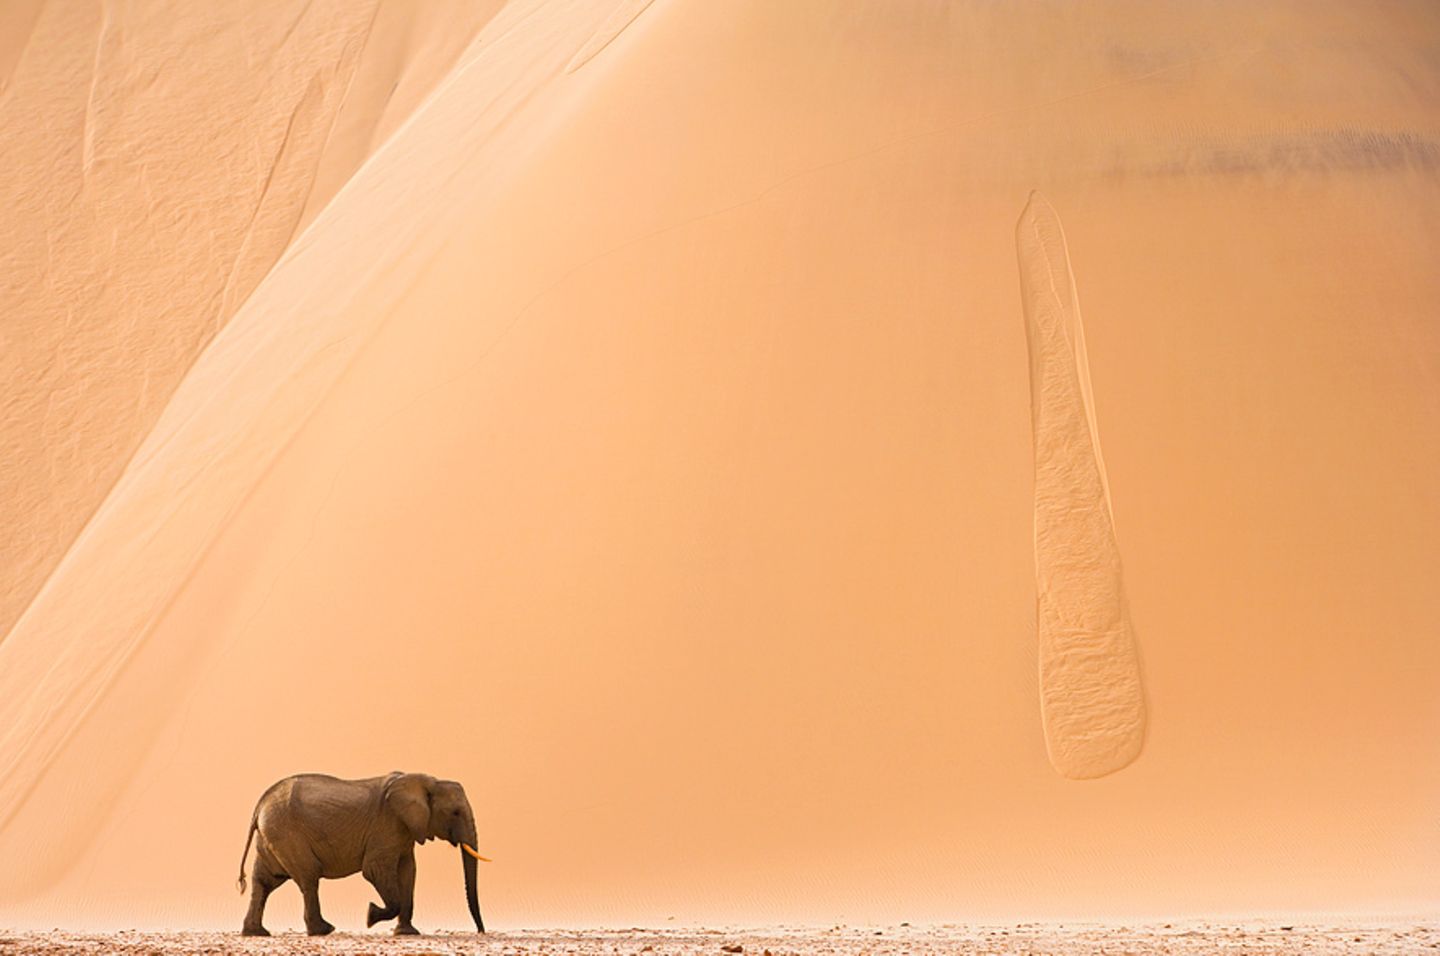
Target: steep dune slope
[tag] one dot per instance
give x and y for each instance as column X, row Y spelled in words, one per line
column 643, row 438
column 158, row 159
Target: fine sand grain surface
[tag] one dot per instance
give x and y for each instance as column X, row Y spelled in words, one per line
column 1024, row 939
column 628, row 410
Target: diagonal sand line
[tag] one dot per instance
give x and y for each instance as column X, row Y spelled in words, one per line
column 1091, row 698
column 621, row 17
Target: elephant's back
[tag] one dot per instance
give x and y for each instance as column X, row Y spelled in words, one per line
column 316, row 801
column 322, row 787
column 312, row 798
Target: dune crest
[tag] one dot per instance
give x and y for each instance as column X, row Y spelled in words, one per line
column 1091, row 698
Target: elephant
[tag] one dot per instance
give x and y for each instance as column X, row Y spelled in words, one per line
column 312, row 826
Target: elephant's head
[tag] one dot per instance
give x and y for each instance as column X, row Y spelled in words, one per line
column 438, row 809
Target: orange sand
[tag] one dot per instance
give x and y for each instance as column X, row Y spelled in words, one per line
column 625, row 409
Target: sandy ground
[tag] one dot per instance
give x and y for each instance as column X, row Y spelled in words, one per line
column 1029, row 938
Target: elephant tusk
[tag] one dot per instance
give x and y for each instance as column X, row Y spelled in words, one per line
column 471, row 850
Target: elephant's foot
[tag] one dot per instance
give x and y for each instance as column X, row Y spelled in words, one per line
column 321, row 928
column 254, row 931
column 405, row 929
column 376, row 914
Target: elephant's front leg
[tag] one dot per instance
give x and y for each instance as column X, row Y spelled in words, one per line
column 394, row 879
column 383, row 874
column 406, row 876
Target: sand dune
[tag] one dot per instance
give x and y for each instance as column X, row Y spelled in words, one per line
column 158, row 162
column 627, row 411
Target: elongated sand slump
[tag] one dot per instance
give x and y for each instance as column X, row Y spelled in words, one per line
column 1091, row 698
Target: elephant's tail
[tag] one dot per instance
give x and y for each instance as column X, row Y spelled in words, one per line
column 254, row 825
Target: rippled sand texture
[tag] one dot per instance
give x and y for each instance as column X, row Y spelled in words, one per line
column 1091, row 695
column 155, row 168
column 111, row 222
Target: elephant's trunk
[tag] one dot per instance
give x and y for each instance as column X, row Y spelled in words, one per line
column 468, row 861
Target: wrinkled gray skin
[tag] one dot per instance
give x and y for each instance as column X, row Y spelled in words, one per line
column 314, row 827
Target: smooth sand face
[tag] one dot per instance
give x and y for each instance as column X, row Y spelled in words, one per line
column 650, row 448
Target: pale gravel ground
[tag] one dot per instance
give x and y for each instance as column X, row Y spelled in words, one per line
column 1031, row 939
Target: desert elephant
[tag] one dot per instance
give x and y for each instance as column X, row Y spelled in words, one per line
column 315, row 827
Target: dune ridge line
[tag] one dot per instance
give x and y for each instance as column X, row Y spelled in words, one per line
column 624, row 14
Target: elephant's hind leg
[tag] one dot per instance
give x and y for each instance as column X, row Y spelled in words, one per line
column 264, row 879
column 315, row 924
column 375, row 871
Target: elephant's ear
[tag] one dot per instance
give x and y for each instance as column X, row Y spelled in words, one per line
column 408, row 797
